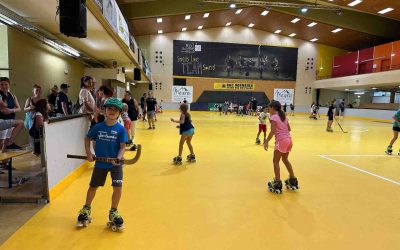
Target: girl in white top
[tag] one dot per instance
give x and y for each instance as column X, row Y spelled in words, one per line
column 86, row 99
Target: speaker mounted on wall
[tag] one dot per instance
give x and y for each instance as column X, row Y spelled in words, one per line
column 137, row 76
column 73, row 18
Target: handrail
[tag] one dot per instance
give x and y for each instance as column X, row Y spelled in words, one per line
column 68, row 117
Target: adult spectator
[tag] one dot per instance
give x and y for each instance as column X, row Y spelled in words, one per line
column 63, row 103
column 15, row 125
column 254, row 105
column 86, row 101
column 151, row 104
column 29, row 108
column 11, row 106
column 52, row 100
column 133, row 111
column 342, row 108
column 41, row 110
column 104, row 93
column 143, row 106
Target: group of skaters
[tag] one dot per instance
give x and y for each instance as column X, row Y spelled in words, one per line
column 335, row 108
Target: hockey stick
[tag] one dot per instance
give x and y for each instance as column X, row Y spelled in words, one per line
column 112, row 160
column 340, row 126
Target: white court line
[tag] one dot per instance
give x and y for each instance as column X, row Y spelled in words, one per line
column 388, row 156
column 361, row 170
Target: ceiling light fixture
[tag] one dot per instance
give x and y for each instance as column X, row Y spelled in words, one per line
column 232, row 5
column 359, row 93
column 312, row 24
column 374, row 88
column 251, row 25
column 347, row 89
column 293, row 35
column 7, row 20
column 160, row 31
column 337, row 30
column 228, row 24
column 354, row 3
column 295, row 20
column 238, row 11
column 187, row 17
column 206, row 15
column 159, row 20
column 384, row 11
column 264, row 13
column 200, row 27
column 314, row 40
column 304, row 10
column 184, row 29
column 277, row 31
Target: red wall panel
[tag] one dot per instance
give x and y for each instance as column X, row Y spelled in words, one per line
column 365, row 61
column 345, row 65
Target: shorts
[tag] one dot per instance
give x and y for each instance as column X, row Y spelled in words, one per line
column 127, row 125
column 99, row 176
column 151, row 114
column 6, row 124
column 262, row 127
column 189, row 132
column 330, row 117
column 284, row 146
column 397, row 129
column 6, row 134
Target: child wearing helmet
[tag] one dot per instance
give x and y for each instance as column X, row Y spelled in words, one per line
column 110, row 139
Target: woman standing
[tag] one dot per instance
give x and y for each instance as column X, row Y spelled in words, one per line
column 29, row 108
column 133, row 110
column 86, row 100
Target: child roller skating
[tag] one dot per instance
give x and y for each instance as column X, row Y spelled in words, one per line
column 262, row 126
column 280, row 128
column 331, row 115
column 110, row 139
column 186, row 131
column 396, row 129
column 116, row 223
column 84, row 217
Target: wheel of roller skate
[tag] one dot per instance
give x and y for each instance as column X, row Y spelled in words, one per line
column 278, row 191
column 114, row 228
column 109, row 224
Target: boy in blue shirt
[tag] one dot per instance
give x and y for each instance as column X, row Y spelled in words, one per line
column 396, row 129
column 110, row 139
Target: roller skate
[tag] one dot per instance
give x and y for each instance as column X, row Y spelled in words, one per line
column 329, row 130
column 116, row 223
column 258, row 142
column 292, row 183
column 84, row 217
column 133, row 148
column 177, row 160
column 275, row 186
column 389, row 150
column 191, row 158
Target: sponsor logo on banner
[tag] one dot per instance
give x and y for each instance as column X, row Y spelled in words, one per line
column 181, row 93
column 234, row 86
column 284, row 96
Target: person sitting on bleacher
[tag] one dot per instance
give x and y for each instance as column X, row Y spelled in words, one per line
column 9, row 127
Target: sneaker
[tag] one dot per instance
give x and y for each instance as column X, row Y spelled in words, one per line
column 13, row 147
column 154, row 127
column 149, row 128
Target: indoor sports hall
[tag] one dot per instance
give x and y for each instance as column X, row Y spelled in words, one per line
column 131, row 124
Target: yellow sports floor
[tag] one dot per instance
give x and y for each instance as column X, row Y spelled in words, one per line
column 349, row 195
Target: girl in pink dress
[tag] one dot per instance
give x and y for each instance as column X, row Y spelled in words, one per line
column 283, row 145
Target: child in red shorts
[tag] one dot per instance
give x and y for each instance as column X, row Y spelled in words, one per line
column 280, row 128
column 262, row 125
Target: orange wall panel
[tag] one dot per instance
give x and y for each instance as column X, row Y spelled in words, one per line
column 396, row 55
column 381, row 53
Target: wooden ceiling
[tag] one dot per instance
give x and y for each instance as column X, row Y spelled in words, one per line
column 346, row 39
column 372, row 6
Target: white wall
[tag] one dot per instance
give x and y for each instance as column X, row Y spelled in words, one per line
column 62, row 138
column 233, row 34
column 3, row 50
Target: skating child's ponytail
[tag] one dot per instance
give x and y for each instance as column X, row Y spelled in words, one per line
column 278, row 108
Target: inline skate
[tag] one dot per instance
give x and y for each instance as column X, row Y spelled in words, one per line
column 275, row 186
column 191, row 158
column 84, row 217
column 389, row 150
column 177, row 160
column 258, row 142
column 292, row 183
column 116, row 223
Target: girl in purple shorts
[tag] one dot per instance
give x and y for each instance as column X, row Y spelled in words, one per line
column 280, row 128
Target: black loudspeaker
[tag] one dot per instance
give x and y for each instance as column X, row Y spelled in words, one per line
column 137, row 76
column 73, row 18
column 179, row 81
column 150, row 86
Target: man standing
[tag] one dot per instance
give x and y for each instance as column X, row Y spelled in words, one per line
column 151, row 110
column 133, row 110
column 254, row 106
column 143, row 106
column 63, row 104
